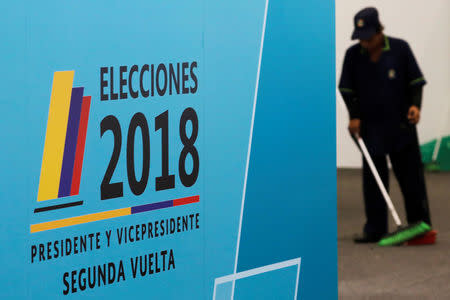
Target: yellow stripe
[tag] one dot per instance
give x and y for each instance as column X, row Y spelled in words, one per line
column 55, row 136
column 80, row 219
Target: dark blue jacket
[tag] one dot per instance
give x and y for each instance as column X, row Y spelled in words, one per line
column 381, row 94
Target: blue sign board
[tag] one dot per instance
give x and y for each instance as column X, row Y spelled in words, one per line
column 168, row 150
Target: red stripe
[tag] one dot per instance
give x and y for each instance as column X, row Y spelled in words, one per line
column 187, row 200
column 81, row 141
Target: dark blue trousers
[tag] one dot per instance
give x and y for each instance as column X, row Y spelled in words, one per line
column 408, row 169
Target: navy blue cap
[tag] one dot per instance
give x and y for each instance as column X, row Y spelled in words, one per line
column 366, row 24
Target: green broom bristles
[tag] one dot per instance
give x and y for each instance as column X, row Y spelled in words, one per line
column 405, row 234
column 433, row 167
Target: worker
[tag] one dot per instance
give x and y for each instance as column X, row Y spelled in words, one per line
column 381, row 84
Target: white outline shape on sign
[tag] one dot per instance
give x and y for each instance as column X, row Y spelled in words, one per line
column 249, row 144
column 260, row 270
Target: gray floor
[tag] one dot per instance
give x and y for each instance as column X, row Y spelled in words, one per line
column 407, row 272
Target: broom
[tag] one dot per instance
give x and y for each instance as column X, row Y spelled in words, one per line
column 402, row 234
column 434, row 164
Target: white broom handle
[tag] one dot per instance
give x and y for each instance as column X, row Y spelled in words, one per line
column 437, row 146
column 379, row 181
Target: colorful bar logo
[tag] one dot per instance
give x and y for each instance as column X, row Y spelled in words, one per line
column 111, row 214
column 65, row 139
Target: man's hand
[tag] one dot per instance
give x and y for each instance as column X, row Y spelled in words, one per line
column 414, row 115
column 354, row 126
